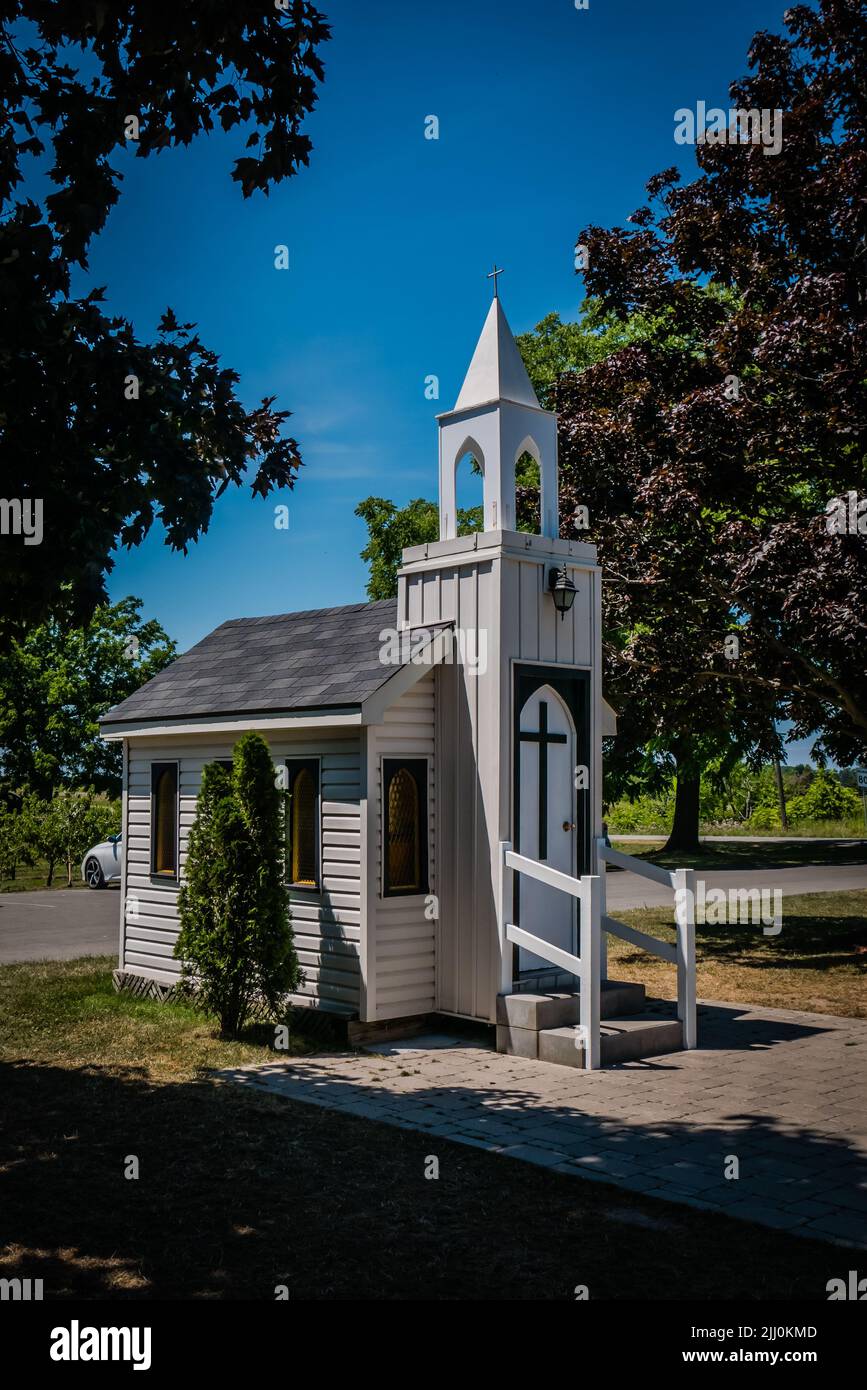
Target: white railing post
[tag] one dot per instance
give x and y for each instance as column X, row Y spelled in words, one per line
column 591, row 933
column 603, row 909
column 684, row 913
column 504, row 910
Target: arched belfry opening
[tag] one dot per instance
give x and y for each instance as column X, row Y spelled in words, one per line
column 469, row 468
column 497, row 417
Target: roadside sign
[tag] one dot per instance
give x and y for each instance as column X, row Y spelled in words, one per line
column 862, row 781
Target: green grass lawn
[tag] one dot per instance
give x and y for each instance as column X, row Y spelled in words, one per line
column 748, row 854
column 817, row 962
column 238, row 1192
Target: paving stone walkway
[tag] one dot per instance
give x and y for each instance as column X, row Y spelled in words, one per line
column 784, row 1093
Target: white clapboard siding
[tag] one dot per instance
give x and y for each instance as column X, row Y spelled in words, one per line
column 402, row 949
column 327, row 925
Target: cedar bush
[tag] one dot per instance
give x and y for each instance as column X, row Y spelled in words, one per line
column 236, row 939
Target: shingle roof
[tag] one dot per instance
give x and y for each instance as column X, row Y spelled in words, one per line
column 326, row 657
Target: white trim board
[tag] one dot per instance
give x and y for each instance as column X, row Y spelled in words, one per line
column 239, row 723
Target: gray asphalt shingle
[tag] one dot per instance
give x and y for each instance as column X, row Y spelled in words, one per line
column 328, row 656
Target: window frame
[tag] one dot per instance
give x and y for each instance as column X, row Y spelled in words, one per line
column 313, row 764
column 158, row 766
column 390, row 766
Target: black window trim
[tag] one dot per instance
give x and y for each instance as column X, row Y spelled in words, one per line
column 160, row 876
column 313, row 763
column 411, row 762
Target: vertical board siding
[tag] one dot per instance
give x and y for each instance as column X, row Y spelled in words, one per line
column 327, row 925
column 507, row 598
column 467, row 735
column 402, row 942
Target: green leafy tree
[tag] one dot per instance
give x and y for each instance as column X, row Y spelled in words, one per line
column 62, row 828
column 56, row 682
column 554, row 347
column 236, row 938
column 708, row 451
column 41, row 832
column 104, row 431
column 825, row 799
column 78, row 819
column 15, row 848
column 391, row 529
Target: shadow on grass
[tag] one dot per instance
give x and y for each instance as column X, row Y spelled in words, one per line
column 824, row 939
column 789, row 854
column 239, row 1192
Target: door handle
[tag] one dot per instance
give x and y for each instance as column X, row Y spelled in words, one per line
column 568, row 825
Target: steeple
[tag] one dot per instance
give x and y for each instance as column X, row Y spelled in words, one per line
column 497, row 371
column 497, row 418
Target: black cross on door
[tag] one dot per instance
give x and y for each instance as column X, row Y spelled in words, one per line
column 543, row 738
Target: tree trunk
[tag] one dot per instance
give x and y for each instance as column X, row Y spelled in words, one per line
column 778, row 773
column 684, row 830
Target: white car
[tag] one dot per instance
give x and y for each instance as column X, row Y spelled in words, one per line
column 101, row 865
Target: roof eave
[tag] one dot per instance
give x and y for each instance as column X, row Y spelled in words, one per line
column 346, row 716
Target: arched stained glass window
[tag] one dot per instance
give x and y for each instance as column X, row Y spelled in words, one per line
column 405, row 816
column 303, row 856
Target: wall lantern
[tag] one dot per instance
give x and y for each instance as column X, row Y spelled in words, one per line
column 562, row 590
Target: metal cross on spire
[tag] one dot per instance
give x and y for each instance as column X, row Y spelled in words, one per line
column 492, row 275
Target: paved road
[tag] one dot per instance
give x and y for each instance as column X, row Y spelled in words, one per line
column 59, row 924
column 62, row 924
column 625, row 890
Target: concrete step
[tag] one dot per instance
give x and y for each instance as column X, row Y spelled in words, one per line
column 555, row 1010
column 621, row 999
column 621, row 1040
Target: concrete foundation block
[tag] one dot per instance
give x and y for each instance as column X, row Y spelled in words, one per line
column 517, row 1042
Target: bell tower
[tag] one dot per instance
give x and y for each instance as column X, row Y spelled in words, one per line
column 497, row 418
column 520, row 659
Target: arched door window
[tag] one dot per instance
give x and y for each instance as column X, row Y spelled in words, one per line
column 405, row 866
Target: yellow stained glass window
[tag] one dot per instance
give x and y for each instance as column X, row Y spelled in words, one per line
column 164, row 799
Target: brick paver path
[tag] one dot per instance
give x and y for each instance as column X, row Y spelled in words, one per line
column 784, row 1093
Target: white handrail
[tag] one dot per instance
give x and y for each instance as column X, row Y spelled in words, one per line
column 563, row 959
column 553, row 877
column 636, row 866
column 663, row 949
column 684, row 912
column 591, row 970
column 682, row 954
column 586, row 965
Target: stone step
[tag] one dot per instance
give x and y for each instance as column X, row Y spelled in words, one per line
column 536, row 1011
column 621, row 1040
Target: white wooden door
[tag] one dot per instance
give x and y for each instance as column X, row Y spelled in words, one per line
column 547, row 816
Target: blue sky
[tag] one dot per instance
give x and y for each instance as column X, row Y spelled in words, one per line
column 550, row 118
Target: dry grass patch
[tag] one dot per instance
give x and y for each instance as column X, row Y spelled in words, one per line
column 817, row 962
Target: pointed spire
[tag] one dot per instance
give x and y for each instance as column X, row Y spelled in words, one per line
column 496, row 372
